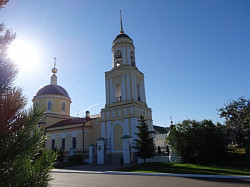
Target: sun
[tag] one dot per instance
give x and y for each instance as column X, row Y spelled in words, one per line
column 23, row 54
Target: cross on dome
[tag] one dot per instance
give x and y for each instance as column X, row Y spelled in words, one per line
column 122, row 31
column 54, row 70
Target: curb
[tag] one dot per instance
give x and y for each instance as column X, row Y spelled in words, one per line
column 151, row 174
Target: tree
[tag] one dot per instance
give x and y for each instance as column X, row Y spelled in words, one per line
column 23, row 160
column 237, row 116
column 197, row 142
column 2, row 3
column 144, row 143
column 7, row 67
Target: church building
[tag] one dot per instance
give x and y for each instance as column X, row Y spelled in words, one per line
column 110, row 134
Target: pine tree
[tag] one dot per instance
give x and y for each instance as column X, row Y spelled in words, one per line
column 23, row 160
column 144, row 143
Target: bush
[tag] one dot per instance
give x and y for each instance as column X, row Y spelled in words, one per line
column 75, row 159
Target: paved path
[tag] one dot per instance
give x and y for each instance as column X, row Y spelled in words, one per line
column 77, row 179
column 107, row 175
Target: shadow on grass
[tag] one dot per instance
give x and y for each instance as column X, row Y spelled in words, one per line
column 187, row 169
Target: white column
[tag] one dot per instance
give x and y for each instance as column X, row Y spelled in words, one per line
column 135, row 87
column 128, row 86
column 111, row 99
column 144, row 93
column 91, row 154
column 134, row 123
column 100, row 152
column 113, row 58
column 109, row 132
column 132, row 86
column 126, row 127
column 124, row 95
column 124, row 60
column 126, row 150
column 107, row 91
column 103, row 129
column 128, row 55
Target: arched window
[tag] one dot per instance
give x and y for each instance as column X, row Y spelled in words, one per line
column 49, row 106
column 138, row 92
column 118, row 94
column 132, row 58
column 118, row 58
column 63, row 106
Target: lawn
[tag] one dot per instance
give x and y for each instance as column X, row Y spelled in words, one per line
column 234, row 163
column 165, row 167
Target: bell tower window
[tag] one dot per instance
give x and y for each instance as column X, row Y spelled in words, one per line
column 132, row 58
column 118, row 95
column 118, row 58
column 138, row 92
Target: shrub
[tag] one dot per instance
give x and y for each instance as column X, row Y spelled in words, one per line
column 75, row 159
column 198, row 142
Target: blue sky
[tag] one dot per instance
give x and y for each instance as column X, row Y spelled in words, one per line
column 195, row 54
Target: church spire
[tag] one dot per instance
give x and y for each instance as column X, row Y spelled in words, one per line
column 53, row 79
column 122, row 31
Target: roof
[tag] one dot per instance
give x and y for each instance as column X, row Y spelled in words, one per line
column 161, row 130
column 70, row 122
column 52, row 90
column 122, row 35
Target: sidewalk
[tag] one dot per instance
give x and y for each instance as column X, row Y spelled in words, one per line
column 112, row 169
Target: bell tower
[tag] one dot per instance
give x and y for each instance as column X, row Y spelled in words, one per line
column 125, row 95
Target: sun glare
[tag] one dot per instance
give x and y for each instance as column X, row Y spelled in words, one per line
column 23, row 54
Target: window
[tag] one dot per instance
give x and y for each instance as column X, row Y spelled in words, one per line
column 74, row 142
column 63, row 143
column 53, row 144
column 118, row 57
column 138, row 92
column 63, row 106
column 132, row 58
column 118, row 92
column 49, row 105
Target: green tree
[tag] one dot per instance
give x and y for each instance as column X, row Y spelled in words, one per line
column 197, row 142
column 144, row 143
column 237, row 116
column 23, row 160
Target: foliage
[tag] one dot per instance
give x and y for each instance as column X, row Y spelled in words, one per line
column 23, row 160
column 3, row 3
column 237, row 115
column 8, row 70
column 198, row 142
column 75, row 159
column 144, row 143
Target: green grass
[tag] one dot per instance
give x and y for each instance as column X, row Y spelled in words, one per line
column 165, row 167
column 233, row 164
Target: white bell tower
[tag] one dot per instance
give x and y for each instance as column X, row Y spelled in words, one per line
column 125, row 95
